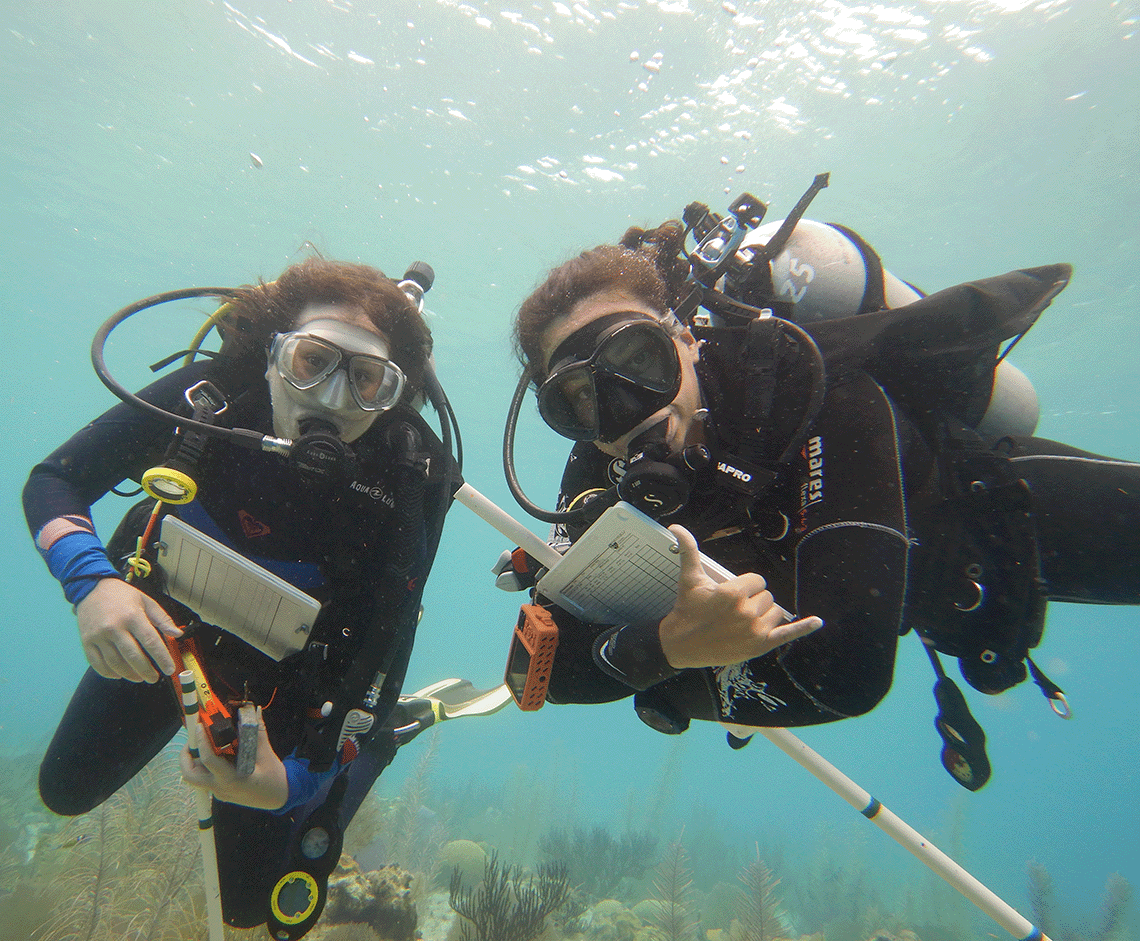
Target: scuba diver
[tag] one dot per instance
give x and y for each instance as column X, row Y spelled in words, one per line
column 294, row 458
column 846, row 446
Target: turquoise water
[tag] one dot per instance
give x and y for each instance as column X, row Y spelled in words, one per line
column 492, row 140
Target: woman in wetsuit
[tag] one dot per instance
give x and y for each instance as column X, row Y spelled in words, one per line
column 331, row 357
column 848, row 450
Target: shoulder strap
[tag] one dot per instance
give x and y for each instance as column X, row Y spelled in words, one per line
column 874, row 294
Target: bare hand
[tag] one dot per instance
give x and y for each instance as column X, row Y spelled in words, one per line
column 119, row 627
column 714, row 624
column 266, row 787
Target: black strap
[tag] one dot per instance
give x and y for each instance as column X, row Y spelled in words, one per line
column 758, row 361
column 963, row 740
column 1051, row 690
column 874, row 293
column 394, row 605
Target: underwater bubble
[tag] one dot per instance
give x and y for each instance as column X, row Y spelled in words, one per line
column 602, row 175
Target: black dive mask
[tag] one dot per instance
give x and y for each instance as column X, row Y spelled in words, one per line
column 610, row 376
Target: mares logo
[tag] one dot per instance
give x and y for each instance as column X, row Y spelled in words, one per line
column 811, row 490
column 376, row 493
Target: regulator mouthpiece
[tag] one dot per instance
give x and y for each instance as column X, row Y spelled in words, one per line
column 319, row 456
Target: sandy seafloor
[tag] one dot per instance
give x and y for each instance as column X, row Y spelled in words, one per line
column 151, row 146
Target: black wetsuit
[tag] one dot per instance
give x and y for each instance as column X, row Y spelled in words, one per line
column 335, row 541
column 891, row 517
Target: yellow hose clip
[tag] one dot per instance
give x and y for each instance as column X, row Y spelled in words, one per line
column 169, row 486
column 139, row 567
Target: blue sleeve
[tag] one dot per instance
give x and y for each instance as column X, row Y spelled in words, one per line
column 303, row 783
column 79, row 561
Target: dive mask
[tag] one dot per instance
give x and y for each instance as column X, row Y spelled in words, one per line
column 610, row 376
column 305, row 360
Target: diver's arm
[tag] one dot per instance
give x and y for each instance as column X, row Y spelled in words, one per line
column 119, row 627
column 575, row 676
column 267, row 787
column 711, row 624
column 118, row 445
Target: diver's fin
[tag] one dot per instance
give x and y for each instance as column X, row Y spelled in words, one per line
column 446, row 699
column 454, row 698
column 470, row 701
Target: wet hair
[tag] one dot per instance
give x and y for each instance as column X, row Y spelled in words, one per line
column 646, row 264
column 259, row 311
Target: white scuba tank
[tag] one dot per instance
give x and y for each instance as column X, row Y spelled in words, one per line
column 824, row 274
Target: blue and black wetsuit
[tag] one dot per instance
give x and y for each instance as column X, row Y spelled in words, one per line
column 334, row 541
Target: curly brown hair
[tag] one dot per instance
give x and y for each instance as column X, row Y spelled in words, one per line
column 647, row 264
column 259, row 311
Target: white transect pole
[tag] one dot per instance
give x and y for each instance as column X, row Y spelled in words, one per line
column 507, row 525
column 900, row 831
column 203, row 802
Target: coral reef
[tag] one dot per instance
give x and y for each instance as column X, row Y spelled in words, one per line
column 609, row 920
column 1110, row 921
column 759, row 908
column 507, row 907
column 347, row 931
column 402, row 831
column 381, row 899
column 467, row 857
column 417, row 833
column 596, row 861
column 132, row 867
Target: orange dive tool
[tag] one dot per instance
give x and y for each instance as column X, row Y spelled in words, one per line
column 217, row 718
column 531, row 657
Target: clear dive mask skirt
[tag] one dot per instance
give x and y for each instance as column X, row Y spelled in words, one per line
column 305, row 361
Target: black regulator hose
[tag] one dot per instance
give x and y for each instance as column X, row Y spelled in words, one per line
column 818, row 388
column 254, row 440
column 547, row 516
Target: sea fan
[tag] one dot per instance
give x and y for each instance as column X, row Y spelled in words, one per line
column 760, row 910
column 673, row 883
column 506, row 907
column 131, row 867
